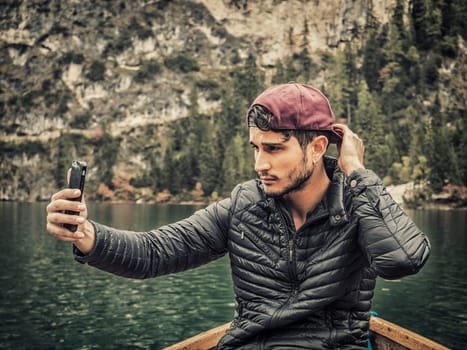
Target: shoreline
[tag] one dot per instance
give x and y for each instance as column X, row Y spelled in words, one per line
column 408, row 196
column 424, row 206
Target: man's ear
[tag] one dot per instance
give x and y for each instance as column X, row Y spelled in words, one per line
column 319, row 145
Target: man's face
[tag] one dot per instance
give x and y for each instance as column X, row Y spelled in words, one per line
column 281, row 164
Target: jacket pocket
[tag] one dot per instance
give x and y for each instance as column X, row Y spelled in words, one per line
column 257, row 248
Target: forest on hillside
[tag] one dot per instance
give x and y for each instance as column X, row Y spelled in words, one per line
column 401, row 86
column 389, row 90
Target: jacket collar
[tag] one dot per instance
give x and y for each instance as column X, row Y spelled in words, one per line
column 335, row 195
column 334, row 200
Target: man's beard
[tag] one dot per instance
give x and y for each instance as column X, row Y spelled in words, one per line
column 298, row 181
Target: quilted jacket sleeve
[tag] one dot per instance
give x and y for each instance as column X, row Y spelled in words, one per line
column 176, row 247
column 392, row 242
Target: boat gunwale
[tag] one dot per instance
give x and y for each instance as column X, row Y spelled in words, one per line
column 380, row 329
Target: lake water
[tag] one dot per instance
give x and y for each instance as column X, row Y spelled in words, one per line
column 48, row 301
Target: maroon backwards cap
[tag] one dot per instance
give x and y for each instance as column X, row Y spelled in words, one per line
column 298, row 107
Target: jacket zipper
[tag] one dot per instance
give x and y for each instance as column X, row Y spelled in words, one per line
column 290, row 250
column 292, row 269
column 292, row 266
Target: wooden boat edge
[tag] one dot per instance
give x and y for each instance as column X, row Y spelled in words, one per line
column 380, row 328
column 402, row 336
column 202, row 341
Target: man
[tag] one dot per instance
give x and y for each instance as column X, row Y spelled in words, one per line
column 306, row 241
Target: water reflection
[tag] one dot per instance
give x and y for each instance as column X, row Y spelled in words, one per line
column 433, row 301
column 49, row 301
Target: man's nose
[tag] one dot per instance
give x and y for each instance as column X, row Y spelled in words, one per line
column 261, row 163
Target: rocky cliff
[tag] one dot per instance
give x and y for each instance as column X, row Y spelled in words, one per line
column 84, row 68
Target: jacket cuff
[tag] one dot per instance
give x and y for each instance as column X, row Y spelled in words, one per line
column 96, row 249
column 360, row 180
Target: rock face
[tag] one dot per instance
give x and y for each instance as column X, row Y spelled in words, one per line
column 77, row 66
column 278, row 27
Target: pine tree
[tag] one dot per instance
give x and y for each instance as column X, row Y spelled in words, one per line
column 372, row 61
column 194, row 135
column 442, row 158
column 417, row 133
column 370, row 127
column 279, row 77
column 248, row 81
column 291, row 72
column 397, row 90
column 350, row 84
column 231, row 118
column 427, row 23
column 156, row 173
column 460, row 145
column 454, row 13
column 333, row 89
column 209, row 164
column 174, row 172
column 236, row 166
column 306, row 65
column 107, row 157
column 454, row 17
column 398, row 18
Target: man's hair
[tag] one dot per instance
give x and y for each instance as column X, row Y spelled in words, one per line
column 261, row 117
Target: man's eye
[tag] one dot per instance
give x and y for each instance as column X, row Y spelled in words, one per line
column 271, row 148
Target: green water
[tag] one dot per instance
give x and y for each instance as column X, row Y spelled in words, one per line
column 48, row 301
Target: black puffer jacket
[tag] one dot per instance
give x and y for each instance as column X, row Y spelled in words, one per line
column 309, row 289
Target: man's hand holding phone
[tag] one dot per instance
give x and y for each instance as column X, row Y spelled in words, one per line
column 67, row 212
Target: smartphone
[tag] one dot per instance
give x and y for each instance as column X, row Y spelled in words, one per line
column 77, row 178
